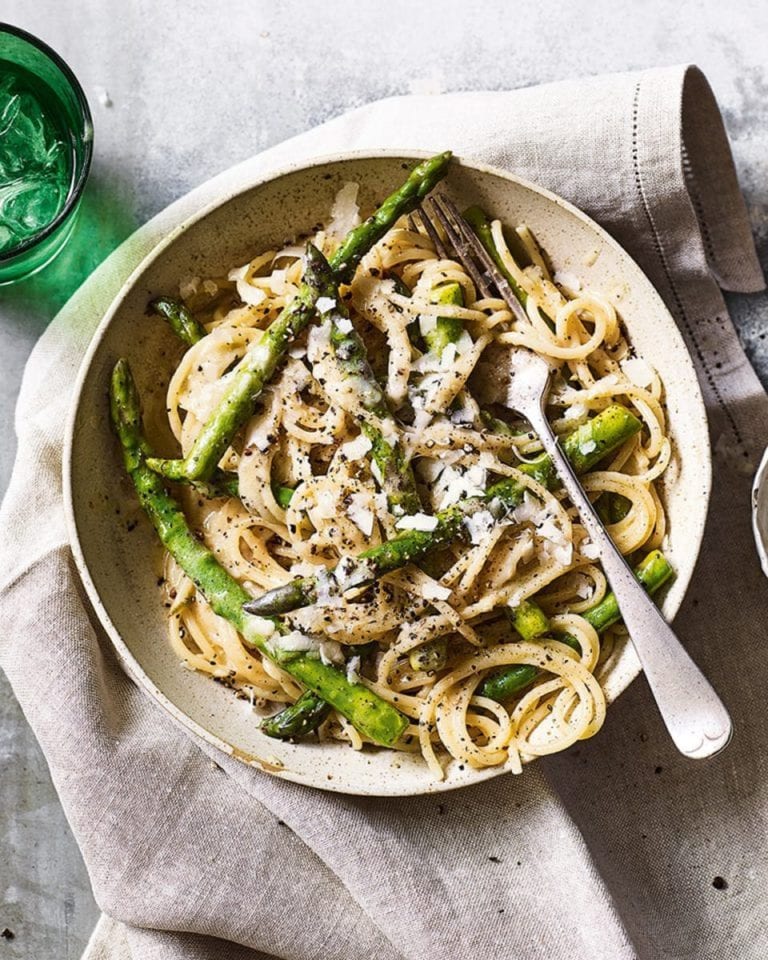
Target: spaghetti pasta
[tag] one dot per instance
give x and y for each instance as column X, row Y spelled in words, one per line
column 306, row 439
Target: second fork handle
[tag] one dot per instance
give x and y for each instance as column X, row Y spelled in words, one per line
column 693, row 713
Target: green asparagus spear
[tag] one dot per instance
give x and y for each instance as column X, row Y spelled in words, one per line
column 653, row 573
column 251, row 375
column 608, row 430
column 531, row 622
column 367, row 712
column 405, row 199
column 258, row 365
column 298, row 719
column 180, row 320
column 447, row 329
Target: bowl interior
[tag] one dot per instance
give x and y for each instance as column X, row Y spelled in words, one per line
column 119, row 558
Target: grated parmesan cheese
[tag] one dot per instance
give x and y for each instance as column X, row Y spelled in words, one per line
column 427, row 323
column 376, row 473
column 360, row 513
column 325, row 304
column 417, row 521
column 530, row 510
column 278, row 282
column 639, row 371
column 294, row 642
column 583, row 590
column 356, row 449
column 576, row 411
column 455, row 484
column 555, row 545
column 568, row 280
column 327, row 590
column 326, row 506
column 429, row 470
column 353, row 669
column 479, row 525
column 449, row 355
column 318, row 341
column 345, row 213
column 589, row 550
column 206, row 397
column 389, row 431
column 331, row 653
column 351, row 572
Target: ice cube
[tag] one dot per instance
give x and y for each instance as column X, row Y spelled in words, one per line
column 35, row 171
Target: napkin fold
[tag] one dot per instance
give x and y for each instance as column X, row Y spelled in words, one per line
column 607, row 852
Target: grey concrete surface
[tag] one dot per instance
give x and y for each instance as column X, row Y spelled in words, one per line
column 181, row 91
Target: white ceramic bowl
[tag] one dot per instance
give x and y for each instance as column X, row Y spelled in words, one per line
column 119, row 566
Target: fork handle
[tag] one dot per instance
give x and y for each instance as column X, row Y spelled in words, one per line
column 693, row 713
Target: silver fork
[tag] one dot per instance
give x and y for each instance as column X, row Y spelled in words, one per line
column 693, row 713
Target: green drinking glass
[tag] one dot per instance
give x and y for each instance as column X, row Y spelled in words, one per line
column 46, row 144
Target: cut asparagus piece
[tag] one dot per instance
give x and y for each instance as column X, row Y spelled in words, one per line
column 299, row 719
column 283, row 494
column 180, row 320
column 447, row 329
column 529, row 620
column 609, row 429
column 430, row 656
column 258, row 365
column 654, row 571
column 590, row 442
column 368, row 713
column 504, row 684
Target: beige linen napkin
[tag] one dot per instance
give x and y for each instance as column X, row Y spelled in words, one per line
column 607, row 853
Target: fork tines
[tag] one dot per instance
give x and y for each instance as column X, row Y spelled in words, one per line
column 469, row 251
column 433, row 235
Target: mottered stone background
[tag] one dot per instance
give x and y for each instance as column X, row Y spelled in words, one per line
column 182, row 90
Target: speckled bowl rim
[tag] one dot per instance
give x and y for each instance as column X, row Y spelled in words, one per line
column 125, row 655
